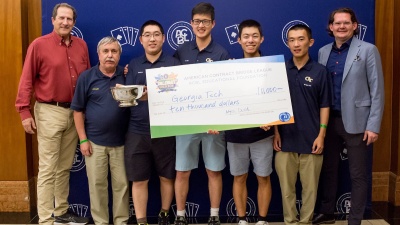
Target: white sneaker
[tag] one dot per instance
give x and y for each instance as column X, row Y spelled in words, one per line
column 262, row 223
column 243, row 222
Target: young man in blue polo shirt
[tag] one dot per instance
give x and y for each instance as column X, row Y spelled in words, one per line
column 143, row 154
column 101, row 126
column 250, row 144
column 203, row 49
column 299, row 145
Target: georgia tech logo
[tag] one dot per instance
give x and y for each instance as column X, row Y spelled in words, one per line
column 179, row 33
column 250, row 206
column 309, row 79
column 286, row 28
column 233, row 33
column 343, row 204
column 190, row 208
column 125, row 35
column 362, row 30
column 76, row 32
column 79, row 209
column 79, row 160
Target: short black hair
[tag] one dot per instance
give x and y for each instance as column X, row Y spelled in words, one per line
column 301, row 26
column 204, row 8
column 250, row 23
column 342, row 10
column 151, row 22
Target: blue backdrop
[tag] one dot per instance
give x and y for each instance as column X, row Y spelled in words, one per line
column 123, row 18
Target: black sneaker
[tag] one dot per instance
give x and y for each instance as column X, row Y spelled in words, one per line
column 163, row 218
column 180, row 220
column 70, row 218
column 213, row 220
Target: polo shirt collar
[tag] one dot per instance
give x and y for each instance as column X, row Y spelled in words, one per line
column 259, row 51
column 209, row 48
column 143, row 58
column 307, row 66
column 118, row 72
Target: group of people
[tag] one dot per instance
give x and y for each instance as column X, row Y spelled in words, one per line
column 337, row 102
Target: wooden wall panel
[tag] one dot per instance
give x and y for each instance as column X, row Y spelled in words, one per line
column 384, row 26
column 395, row 157
column 13, row 160
column 34, row 31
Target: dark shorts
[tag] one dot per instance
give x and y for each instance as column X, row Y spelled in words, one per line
column 142, row 154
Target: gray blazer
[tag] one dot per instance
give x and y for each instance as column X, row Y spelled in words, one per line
column 362, row 86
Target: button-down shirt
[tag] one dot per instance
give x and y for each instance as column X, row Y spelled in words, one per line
column 335, row 65
column 51, row 70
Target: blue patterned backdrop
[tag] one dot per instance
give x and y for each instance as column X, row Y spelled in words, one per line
column 123, row 18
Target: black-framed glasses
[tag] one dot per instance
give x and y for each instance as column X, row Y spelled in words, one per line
column 204, row 22
column 156, row 35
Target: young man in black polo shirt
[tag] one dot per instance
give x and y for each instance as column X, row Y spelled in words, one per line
column 299, row 145
column 142, row 154
column 203, row 49
column 250, row 144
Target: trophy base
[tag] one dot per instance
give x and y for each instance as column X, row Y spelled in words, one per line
column 127, row 104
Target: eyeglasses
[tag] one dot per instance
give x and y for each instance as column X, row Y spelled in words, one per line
column 156, row 35
column 338, row 24
column 205, row 22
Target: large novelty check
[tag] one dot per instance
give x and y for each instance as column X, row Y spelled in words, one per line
column 222, row 95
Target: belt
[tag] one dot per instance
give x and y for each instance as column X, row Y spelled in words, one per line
column 336, row 113
column 66, row 105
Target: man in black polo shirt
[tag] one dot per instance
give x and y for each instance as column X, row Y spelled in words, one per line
column 299, row 145
column 250, row 144
column 101, row 126
column 142, row 154
column 202, row 49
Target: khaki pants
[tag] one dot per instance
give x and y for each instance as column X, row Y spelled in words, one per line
column 57, row 139
column 288, row 165
column 97, row 173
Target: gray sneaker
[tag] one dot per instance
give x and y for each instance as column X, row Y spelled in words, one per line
column 70, row 218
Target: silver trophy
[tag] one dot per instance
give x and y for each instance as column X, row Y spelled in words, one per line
column 126, row 95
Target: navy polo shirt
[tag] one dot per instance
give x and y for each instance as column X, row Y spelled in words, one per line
column 335, row 66
column 247, row 135
column 189, row 53
column 139, row 121
column 309, row 92
column 105, row 121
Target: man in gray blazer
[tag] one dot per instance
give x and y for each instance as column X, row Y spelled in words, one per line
column 356, row 113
